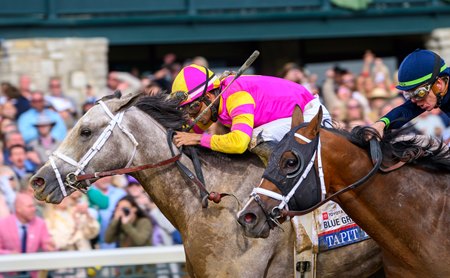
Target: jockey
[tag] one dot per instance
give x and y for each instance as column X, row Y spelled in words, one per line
column 256, row 109
column 423, row 78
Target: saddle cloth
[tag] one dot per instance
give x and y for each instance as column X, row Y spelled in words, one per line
column 324, row 229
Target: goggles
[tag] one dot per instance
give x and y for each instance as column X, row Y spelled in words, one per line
column 418, row 94
column 194, row 107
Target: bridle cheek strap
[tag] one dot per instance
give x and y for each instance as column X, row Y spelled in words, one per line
column 90, row 154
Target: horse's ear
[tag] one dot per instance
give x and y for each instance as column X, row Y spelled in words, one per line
column 297, row 117
column 314, row 125
column 125, row 101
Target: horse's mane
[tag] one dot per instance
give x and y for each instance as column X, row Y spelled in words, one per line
column 395, row 148
column 165, row 110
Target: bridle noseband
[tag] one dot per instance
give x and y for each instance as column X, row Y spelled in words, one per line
column 71, row 178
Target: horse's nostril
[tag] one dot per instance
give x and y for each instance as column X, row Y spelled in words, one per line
column 249, row 218
column 37, row 182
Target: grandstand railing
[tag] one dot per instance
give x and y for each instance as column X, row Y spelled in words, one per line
column 92, row 258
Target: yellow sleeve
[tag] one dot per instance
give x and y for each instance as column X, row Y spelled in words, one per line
column 240, row 106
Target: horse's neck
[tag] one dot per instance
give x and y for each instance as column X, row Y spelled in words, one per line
column 385, row 204
column 344, row 167
column 179, row 198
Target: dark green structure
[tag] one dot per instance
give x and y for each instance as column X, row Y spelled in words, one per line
column 316, row 29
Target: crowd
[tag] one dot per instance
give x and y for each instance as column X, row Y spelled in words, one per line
column 116, row 211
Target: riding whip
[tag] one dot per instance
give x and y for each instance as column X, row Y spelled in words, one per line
column 241, row 70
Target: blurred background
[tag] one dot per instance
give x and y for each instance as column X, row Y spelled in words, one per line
column 58, row 56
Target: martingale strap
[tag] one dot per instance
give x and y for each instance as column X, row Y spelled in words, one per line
column 204, row 194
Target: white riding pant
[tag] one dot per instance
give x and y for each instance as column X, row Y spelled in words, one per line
column 275, row 130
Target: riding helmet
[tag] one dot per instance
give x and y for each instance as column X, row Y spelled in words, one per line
column 194, row 81
column 420, row 67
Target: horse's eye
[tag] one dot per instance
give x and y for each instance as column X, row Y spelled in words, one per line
column 85, row 132
column 290, row 165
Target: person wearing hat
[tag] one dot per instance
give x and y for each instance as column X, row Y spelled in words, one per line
column 257, row 109
column 38, row 107
column 45, row 143
column 423, row 78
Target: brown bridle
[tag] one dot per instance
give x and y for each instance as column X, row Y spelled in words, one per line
column 121, row 171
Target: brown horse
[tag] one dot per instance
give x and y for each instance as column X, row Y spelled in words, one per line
column 407, row 211
column 133, row 131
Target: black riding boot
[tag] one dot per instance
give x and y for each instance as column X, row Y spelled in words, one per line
column 263, row 150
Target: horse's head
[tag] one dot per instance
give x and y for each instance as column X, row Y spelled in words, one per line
column 91, row 146
column 289, row 181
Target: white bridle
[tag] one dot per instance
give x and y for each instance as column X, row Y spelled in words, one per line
column 284, row 200
column 101, row 140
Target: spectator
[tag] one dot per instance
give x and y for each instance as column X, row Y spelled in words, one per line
column 18, row 157
column 429, row 123
column 57, row 99
column 64, row 105
column 377, row 98
column 97, row 201
column 45, row 144
column 22, row 102
column 29, row 118
column 15, row 138
column 170, row 68
column 25, row 86
column 152, row 88
column 23, row 231
column 355, row 114
column 4, row 208
column 381, row 74
column 114, row 195
column 291, row 71
column 128, row 82
column 7, row 125
column 294, row 73
column 70, row 223
column 130, row 226
column 9, row 186
column 8, row 92
column 86, row 106
column 112, row 83
column 90, row 94
column 338, row 111
column 135, row 189
column 162, row 228
column 200, row 61
column 9, row 110
column 365, row 82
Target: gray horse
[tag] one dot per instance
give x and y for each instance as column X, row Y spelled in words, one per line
column 133, row 132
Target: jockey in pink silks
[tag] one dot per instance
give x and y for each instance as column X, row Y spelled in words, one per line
column 257, row 110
